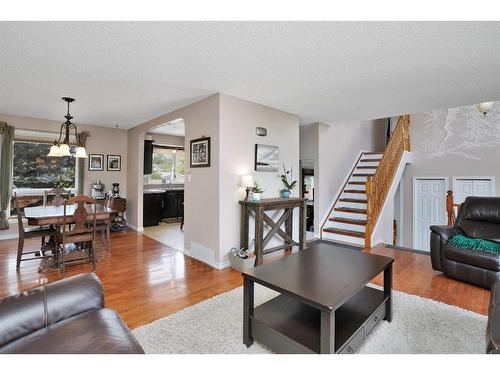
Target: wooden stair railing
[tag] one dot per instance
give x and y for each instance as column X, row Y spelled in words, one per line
column 451, row 208
column 378, row 185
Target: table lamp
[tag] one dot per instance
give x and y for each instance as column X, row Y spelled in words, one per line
column 247, row 183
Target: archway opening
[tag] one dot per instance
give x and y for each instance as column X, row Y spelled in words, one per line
column 164, row 174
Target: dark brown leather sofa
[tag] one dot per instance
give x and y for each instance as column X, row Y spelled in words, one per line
column 493, row 327
column 67, row 316
column 478, row 217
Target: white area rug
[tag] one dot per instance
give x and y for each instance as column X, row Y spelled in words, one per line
column 419, row 325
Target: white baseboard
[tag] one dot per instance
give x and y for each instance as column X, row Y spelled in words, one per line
column 137, row 229
column 213, row 264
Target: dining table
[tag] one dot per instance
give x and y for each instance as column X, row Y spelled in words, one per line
column 54, row 216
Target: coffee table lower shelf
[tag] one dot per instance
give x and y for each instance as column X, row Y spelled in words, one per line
column 286, row 325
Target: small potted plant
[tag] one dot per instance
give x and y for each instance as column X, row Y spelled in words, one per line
column 288, row 182
column 255, row 192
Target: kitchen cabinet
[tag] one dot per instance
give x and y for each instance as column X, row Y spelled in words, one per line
column 161, row 204
column 173, row 204
column 148, row 156
column 152, row 206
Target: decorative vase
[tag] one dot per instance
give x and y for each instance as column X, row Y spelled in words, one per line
column 285, row 193
column 116, row 190
column 254, row 197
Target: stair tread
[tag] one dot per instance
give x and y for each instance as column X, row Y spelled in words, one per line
column 347, row 220
column 363, row 174
column 345, row 232
column 373, row 153
column 356, row 183
column 355, row 191
column 366, row 167
column 352, row 210
column 370, row 160
column 352, row 200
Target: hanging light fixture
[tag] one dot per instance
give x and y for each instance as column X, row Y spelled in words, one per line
column 485, row 107
column 61, row 147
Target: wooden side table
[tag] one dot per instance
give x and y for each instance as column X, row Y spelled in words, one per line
column 118, row 222
column 261, row 218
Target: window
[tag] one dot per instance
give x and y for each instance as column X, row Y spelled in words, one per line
column 34, row 172
column 168, row 164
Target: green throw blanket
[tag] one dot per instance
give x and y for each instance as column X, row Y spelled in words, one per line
column 476, row 244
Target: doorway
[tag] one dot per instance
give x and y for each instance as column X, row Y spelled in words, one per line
column 429, row 208
column 163, row 184
column 307, row 192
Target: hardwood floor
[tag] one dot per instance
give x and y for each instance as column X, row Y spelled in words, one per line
column 145, row 280
column 413, row 274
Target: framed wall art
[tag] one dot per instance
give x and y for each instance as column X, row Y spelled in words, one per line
column 114, row 163
column 200, row 152
column 96, row 162
column 267, row 158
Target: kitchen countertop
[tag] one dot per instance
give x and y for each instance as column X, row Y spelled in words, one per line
column 161, row 190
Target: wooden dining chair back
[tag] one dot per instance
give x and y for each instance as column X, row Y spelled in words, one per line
column 59, row 196
column 104, row 226
column 109, row 199
column 83, row 219
column 28, row 233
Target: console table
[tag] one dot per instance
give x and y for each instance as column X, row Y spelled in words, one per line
column 273, row 204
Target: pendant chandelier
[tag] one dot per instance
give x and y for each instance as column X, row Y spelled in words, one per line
column 61, row 147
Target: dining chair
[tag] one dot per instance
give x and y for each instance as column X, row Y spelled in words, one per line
column 40, row 232
column 82, row 232
column 104, row 226
column 58, row 194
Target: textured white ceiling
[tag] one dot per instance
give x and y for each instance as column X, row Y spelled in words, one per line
column 129, row 72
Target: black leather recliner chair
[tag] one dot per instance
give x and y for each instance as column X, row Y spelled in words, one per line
column 66, row 316
column 478, row 217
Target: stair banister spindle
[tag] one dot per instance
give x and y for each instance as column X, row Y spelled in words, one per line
column 369, row 210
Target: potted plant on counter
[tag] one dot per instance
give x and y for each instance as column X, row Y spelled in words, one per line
column 255, row 193
column 288, row 182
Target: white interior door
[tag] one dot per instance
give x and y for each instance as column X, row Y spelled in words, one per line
column 476, row 187
column 429, row 209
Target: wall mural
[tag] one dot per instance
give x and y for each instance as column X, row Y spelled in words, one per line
column 460, row 131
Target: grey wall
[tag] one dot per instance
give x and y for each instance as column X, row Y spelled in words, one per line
column 102, row 140
column 201, row 188
column 306, row 142
column 455, row 142
column 238, row 119
column 211, row 194
column 107, row 141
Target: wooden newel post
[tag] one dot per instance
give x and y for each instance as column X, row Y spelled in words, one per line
column 369, row 212
column 450, row 212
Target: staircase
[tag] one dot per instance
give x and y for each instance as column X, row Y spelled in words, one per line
column 355, row 213
column 347, row 221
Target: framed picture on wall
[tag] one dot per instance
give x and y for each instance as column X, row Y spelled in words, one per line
column 114, row 162
column 266, row 158
column 200, row 152
column 96, row 162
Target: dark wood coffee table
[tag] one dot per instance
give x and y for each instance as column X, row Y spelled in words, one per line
column 325, row 304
